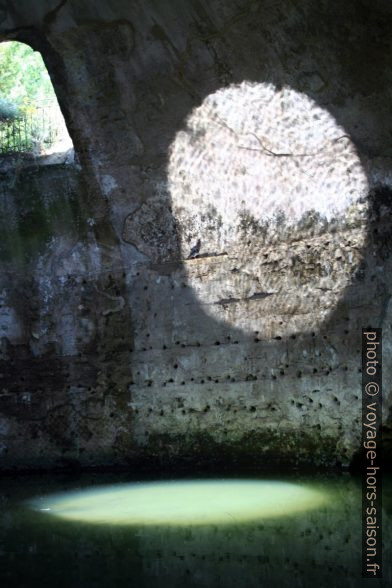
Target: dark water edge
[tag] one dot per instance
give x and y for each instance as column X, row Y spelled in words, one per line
column 319, row 547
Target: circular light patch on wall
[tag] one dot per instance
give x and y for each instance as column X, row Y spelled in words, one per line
column 269, row 196
column 182, row 503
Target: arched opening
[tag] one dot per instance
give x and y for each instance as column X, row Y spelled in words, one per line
column 31, row 122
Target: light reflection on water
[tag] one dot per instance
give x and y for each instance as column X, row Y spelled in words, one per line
column 179, row 503
column 306, row 546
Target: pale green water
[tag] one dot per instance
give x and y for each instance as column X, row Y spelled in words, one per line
column 109, row 531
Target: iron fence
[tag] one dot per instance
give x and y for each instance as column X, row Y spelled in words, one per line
column 33, row 132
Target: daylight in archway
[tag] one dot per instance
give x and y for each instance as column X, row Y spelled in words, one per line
column 31, row 121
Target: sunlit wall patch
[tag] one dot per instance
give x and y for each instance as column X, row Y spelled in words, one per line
column 254, row 170
column 177, row 503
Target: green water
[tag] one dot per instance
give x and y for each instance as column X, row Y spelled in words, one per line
column 115, row 530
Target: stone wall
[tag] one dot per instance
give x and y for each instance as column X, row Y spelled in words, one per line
column 196, row 289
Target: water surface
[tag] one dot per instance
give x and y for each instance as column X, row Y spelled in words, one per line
column 219, row 531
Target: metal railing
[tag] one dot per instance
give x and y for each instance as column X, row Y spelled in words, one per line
column 35, row 131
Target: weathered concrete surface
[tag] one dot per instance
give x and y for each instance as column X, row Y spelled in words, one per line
column 251, row 350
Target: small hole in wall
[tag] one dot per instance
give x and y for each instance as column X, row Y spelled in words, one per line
column 206, row 408
column 161, row 413
column 217, row 342
column 299, row 374
column 251, row 378
column 252, row 409
column 293, row 336
column 315, row 370
column 175, row 366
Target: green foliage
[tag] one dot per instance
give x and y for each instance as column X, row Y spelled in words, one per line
column 8, row 111
column 30, row 118
column 24, row 79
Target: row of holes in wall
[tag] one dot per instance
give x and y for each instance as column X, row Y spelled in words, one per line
column 249, row 378
column 229, row 341
column 229, row 408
